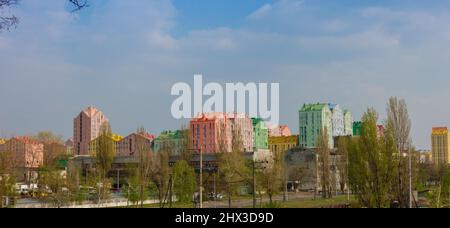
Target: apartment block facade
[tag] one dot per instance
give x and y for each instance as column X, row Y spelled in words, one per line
column 86, row 127
column 135, row 143
column 440, row 150
column 173, row 142
column 260, row 135
column 313, row 119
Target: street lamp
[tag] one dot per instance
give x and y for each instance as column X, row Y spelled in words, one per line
column 254, row 178
column 201, row 174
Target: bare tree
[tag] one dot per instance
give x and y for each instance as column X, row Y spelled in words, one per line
column 342, row 162
column 10, row 21
column 7, row 22
column 398, row 120
column 145, row 162
column 79, row 4
column 323, row 159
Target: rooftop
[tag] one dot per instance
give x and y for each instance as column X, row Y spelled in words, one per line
column 313, row 107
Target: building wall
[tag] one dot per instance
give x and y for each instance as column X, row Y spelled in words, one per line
column 348, row 123
column 281, row 144
column 211, row 133
column 171, row 141
column 113, row 139
column 27, row 152
column 242, row 126
column 337, row 120
column 86, row 127
column 314, row 118
column 440, row 145
column 277, row 131
column 260, row 135
column 133, row 144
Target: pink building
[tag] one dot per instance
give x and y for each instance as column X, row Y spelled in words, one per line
column 242, row 127
column 213, row 132
column 86, row 127
column 130, row 145
column 28, row 152
column 279, row 131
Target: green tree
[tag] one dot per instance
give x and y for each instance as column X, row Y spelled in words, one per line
column 104, row 157
column 232, row 165
column 372, row 165
column 7, row 176
column 184, row 181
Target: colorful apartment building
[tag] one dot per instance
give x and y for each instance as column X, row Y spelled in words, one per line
column 357, row 129
column 280, row 144
column 220, row 132
column 440, row 150
column 337, row 120
column 242, row 130
column 260, row 135
column 2, row 141
column 111, row 140
column 134, row 144
column 313, row 119
column 69, row 147
column 173, row 142
column 277, row 131
column 348, row 123
column 28, row 155
column 211, row 133
column 28, row 152
column 86, row 127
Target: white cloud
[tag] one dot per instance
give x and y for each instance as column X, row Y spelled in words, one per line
column 261, row 12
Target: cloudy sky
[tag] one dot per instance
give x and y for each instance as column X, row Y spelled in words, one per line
column 124, row 57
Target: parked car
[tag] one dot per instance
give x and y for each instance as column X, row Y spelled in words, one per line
column 215, row 196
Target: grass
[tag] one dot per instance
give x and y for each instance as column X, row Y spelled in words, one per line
column 295, row 203
column 318, row 203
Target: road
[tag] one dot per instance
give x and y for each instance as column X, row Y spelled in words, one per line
column 118, row 201
column 248, row 203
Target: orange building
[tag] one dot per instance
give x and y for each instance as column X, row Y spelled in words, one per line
column 440, row 150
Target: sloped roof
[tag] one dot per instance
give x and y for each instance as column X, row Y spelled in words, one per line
column 313, row 107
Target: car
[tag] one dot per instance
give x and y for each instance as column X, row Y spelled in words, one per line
column 216, row 196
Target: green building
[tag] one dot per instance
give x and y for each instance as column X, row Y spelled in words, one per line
column 260, row 135
column 172, row 141
column 313, row 118
column 357, row 128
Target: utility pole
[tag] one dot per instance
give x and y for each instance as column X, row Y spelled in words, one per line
column 215, row 191
column 348, row 182
column 410, row 180
column 254, row 185
column 201, row 177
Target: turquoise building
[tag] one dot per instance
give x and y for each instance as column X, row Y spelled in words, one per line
column 260, row 135
column 313, row 118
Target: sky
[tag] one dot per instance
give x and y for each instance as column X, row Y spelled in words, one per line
column 124, row 56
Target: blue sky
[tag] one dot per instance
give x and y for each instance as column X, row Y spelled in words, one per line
column 124, row 56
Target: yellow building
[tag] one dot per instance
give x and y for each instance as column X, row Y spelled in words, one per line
column 112, row 140
column 2, row 141
column 281, row 144
column 440, row 150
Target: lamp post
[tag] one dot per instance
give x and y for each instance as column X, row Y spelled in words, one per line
column 254, row 179
column 201, row 177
